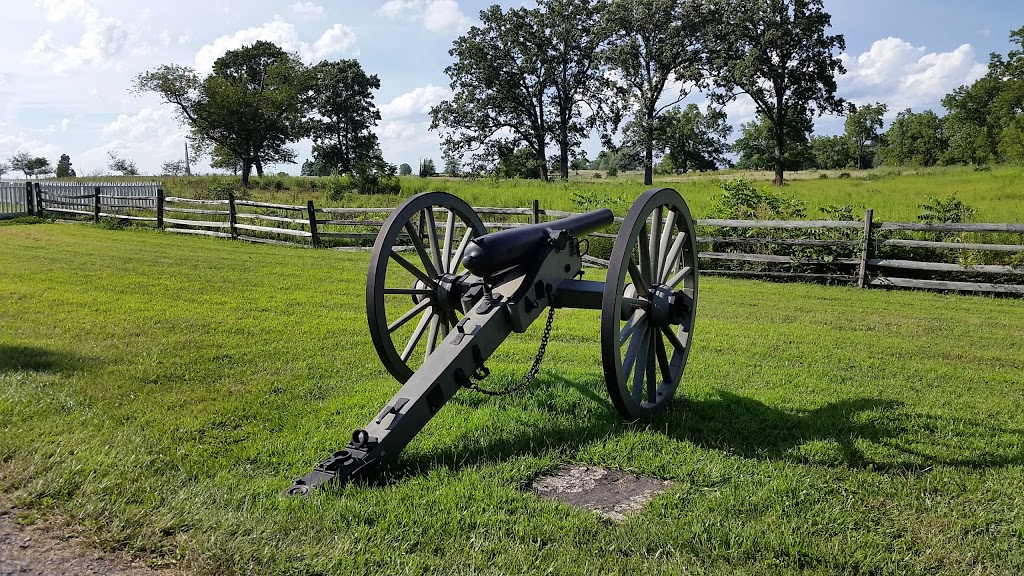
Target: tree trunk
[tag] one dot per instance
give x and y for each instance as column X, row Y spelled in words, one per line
column 246, row 169
column 259, row 167
column 563, row 143
column 542, row 155
column 780, row 146
column 649, row 152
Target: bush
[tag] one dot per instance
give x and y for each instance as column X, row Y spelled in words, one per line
column 338, row 186
column 218, row 190
column 741, row 201
column 950, row 210
column 822, row 176
column 844, row 175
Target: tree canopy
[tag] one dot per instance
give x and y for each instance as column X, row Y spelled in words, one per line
column 343, row 116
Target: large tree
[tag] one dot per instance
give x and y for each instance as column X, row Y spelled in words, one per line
column 19, row 161
column 779, row 53
column 4, row 168
column 344, row 115
column 831, row 152
column 39, row 166
column 574, row 33
column 863, row 130
column 914, row 139
column 756, row 145
column 691, row 139
column 251, row 105
column 652, row 44
column 64, row 169
column 498, row 77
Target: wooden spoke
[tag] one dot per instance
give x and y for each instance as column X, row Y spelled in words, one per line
column 449, row 234
column 640, row 370
column 454, row 264
column 666, row 235
column 408, row 291
column 435, row 248
column 673, row 256
column 632, row 325
column 655, row 246
column 679, row 277
column 666, row 370
column 635, row 302
column 445, row 327
column 415, row 311
column 637, row 276
column 432, row 336
column 416, row 335
column 412, row 269
column 417, row 242
column 631, row 353
column 673, row 338
column 645, row 258
column 652, row 367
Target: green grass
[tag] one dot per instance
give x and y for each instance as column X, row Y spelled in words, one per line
column 161, row 391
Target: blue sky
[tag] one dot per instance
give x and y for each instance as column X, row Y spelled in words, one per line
column 66, row 66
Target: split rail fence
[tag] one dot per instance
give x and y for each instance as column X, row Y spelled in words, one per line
column 865, row 253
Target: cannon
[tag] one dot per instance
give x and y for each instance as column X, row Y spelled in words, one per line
column 442, row 294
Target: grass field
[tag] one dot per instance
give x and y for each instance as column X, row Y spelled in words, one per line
column 894, row 194
column 160, row 392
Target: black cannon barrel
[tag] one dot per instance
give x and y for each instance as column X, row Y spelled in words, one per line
column 498, row 251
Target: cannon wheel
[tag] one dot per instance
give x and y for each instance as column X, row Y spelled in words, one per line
column 649, row 303
column 418, row 249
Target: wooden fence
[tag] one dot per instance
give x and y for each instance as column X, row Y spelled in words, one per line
column 866, row 253
column 14, row 199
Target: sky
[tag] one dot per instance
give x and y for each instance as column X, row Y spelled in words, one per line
column 67, row 66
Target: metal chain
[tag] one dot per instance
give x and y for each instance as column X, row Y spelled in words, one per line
column 532, row 372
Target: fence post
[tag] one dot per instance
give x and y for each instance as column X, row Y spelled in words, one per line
column 39, row 197
column 311, row 211
column 96, row 204
column 160, row 208
column 232, row 215
column 30, row 205
column 536, row 211
column 866, row 252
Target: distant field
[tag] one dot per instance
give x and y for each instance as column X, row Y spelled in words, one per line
column 160, row 391
column 894, row 194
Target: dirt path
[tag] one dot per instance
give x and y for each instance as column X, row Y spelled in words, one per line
column 42, row 550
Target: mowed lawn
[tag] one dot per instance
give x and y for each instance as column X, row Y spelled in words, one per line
column 160, row 391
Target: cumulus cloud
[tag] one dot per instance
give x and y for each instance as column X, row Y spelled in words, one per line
column 148, row 124
column 418, row 101
column 442, row 16
column 902, row 75
column 335, row 40
column 102, row 42
column 307, row 9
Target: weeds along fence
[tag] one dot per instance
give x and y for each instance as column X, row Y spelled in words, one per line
column 971, row 257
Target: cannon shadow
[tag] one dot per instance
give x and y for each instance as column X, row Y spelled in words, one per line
column 897, row 440
column 16, row 358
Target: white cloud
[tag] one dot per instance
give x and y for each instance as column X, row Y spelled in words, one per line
column 183, row 39
column 147, row 124
column 307, row 9
column 335, row 40
column 58, row 10
column 64, row 124
column 165, row 38
column 907, row 76
column 104, row 40
column 418, row 101
column 442, row 16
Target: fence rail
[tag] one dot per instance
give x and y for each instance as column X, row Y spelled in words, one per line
column 853, row 252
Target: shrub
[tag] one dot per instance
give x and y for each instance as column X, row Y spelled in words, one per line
column 741, row 201
column 822, row 176
column 950, row 210
column 218, row 190
column 844, row 175
column 338, row 186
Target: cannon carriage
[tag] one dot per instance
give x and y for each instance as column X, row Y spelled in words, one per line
column 442, row 294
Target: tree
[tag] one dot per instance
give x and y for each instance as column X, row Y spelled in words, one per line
column 39, row 166
column 452, row 166
column 756, row 145
column 19, row 161
column 691, row 139
column 863, row 130
column 831, row 152
column 343, row 115
column 913, row 138
column 64, row 169
column 404, row 170
column 4, row 168
column 778, row 53
column 652, row 43
column 427, row 168
column 498, row 80
column 125, row 166
column 251, row 105
column 578, row 163
column 573, row 34
column 173, row 168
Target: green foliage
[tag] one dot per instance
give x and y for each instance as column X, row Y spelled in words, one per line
column 19, row 161
column 118, row 163
column 64, row 169
column 173, row 168
column 691, row 139
column 343, row 116
column 338, row 186
column 39, row 166
column 830, row 152
column 949, row 210
column 740, row 200
column 756, row 145
column 914, row 139
column 404, row 169
column 863, row 132
column 219, row 189
column 780, row 54
column 427, row 168
column 20, row 220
